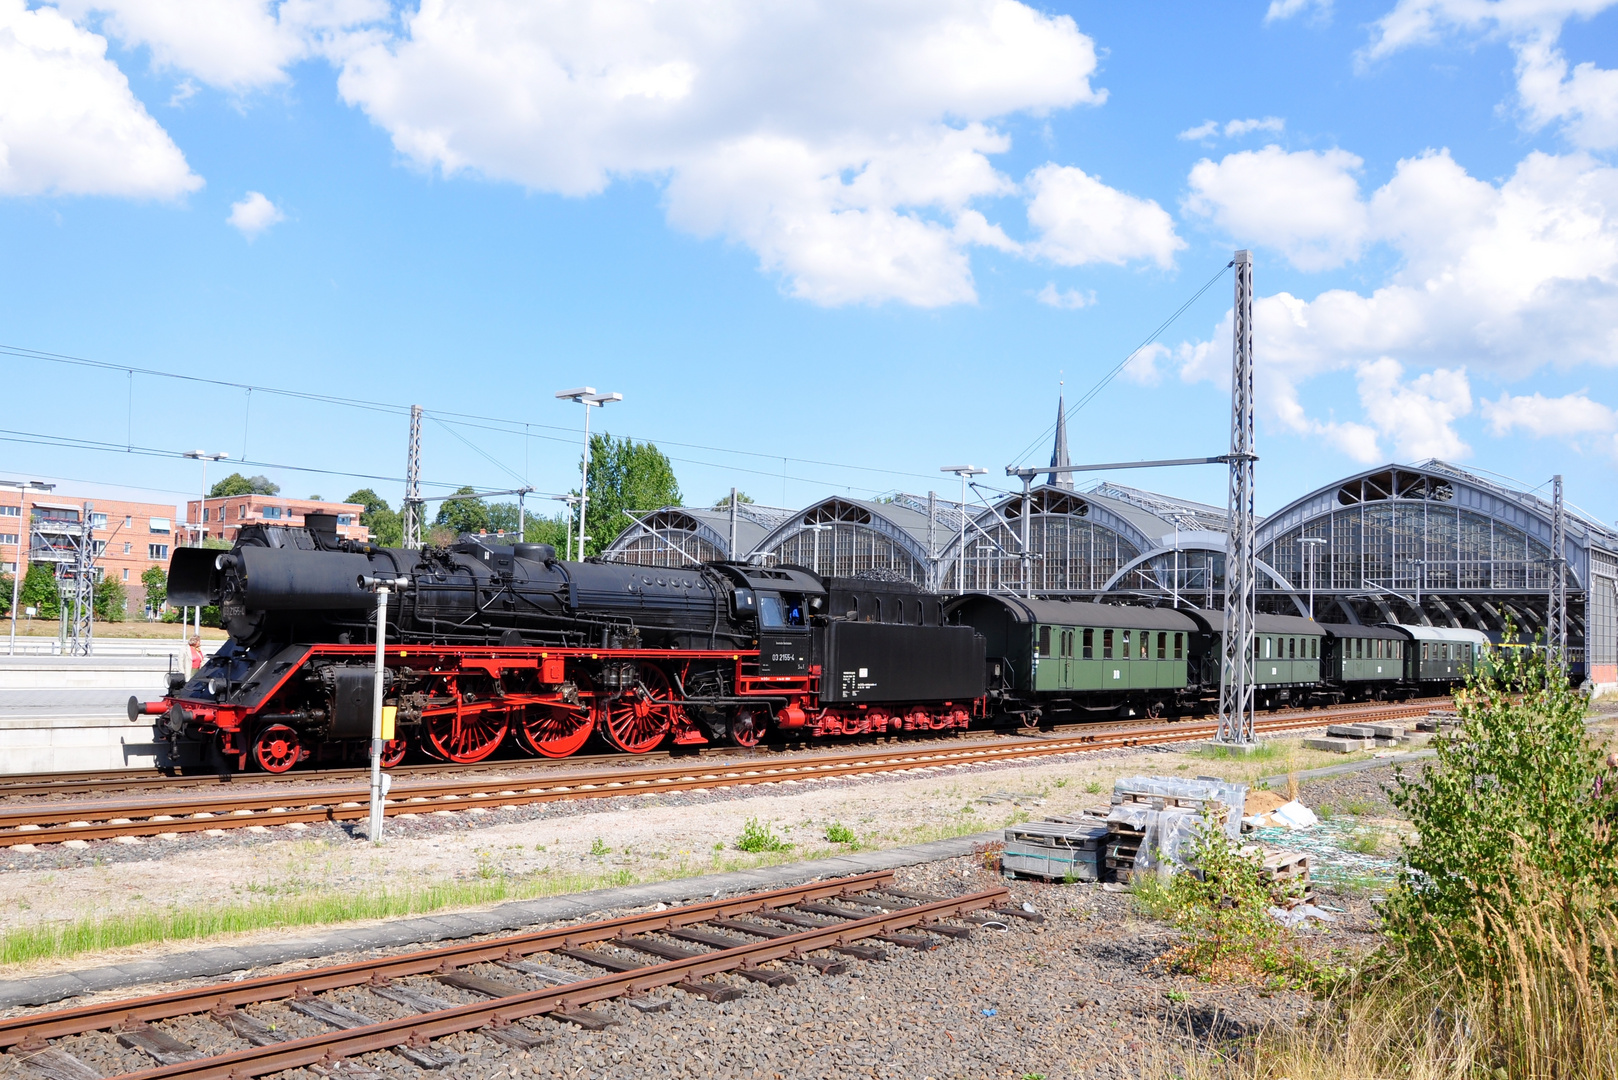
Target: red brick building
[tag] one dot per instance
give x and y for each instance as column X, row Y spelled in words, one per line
column 129, row 537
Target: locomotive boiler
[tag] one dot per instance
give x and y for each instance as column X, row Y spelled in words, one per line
column 491, row 644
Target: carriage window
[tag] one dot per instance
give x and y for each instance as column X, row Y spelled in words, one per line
column 1089, row 644
column 1106, row 644
column 1266, row 648
column 1145, row 644
column 1179, row 646
column 1292, row 648
column 1125, row 651
column 1044, row 647
column 1067, row 643
column 1162, row 645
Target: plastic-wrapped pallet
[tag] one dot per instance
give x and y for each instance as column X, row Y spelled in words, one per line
column 1203, row 793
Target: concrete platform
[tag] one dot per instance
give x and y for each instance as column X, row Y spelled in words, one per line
column 68, row 713
column 449, row 926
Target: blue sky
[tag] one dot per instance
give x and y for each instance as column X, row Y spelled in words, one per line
column 824, row 248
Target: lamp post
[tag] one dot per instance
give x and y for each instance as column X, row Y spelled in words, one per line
column 379, row 789
column 1421, row 572
column 16, row 566
column 567, row 551
column 1315, row 544
column 586, row 396
column 202, row 512
column 965, row 472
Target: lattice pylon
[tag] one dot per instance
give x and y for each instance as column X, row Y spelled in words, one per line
column 1236, row 675
column 1556, row 615
column 412, row 501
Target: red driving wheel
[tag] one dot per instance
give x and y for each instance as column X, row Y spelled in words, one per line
column 559, row 729
column 472, row 737
column 393, row 752
column 636, row 722
column 277, row 748
column 747, row 726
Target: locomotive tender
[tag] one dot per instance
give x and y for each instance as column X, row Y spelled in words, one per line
column 488, row 643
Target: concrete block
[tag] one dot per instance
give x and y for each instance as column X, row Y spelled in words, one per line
column 1387, row 731
column 1337, row 745
column 1351, row 731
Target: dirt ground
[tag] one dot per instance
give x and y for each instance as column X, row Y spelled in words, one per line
column 577, row 843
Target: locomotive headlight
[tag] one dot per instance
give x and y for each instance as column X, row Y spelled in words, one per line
column 217, row 686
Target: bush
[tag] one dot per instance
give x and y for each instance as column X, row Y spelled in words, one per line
column 110, row 600
column 1518, row 800
column 759, row 836
column 1223, row 910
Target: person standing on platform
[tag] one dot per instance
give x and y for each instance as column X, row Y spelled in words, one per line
column 196, row 654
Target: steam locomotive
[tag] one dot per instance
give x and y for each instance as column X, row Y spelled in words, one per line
column 488, row 644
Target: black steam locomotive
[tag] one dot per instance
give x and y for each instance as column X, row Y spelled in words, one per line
column 488, row 644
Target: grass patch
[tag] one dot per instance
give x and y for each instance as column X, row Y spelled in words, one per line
column 1264, row 751
column 760, row 836
column 838, row 833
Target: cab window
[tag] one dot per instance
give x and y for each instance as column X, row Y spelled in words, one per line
column 1089, row 644
column 770, row 611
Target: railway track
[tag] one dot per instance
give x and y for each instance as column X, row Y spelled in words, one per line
column 101, row 819
column 54, row 785
column 508, row 989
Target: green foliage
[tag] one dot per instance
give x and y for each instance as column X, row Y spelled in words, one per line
column 5, row 595
column 387, row 527
column 1362, row 841
column 838, row 833
column 759, row 836
column 552, row 530
column 110, row 598
column 742, row 499
column 624, row 475
column 237, row 484
column 39, row 591
column 598, row 847
column 464, row 514
column 1518, row 795
column 156, row 583
column 1223, row 910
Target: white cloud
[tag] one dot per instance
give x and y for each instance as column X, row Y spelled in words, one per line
column 1500, row 278
column 1307, row 203
column 1418, row 416
column 1143, row 367
column 848, row 161
column 1080, row 220
column 1566, row 417
column 1286, row 9
column 235, row 45
column 1067, row 299
column 69, row 124
column 253, row 214
column 1234, row 128
column 1585, row 101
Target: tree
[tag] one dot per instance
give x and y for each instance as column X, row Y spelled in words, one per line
column 237, row 484
column 624, row 475
column 156, row 584
column 552, row 530
column 464, row 512
column 503, row 516
column 742, row 499
column 5, row 595
column 39, row 591
column 387, row 527
column 111, row 600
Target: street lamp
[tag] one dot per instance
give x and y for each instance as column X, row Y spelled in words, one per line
column 202, row 512
column 567, row 550
column 16, row 565
column 586, row 396
column 1315, row 543
column 965, row 472
column 1421, row 572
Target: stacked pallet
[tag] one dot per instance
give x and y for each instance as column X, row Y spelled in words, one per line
column 1057, row 850
column 1153, row 818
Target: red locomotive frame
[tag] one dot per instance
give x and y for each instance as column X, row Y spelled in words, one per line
column 466, row 701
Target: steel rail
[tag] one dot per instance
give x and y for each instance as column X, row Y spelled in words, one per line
column 105, row 819
column 57, row 1024
column 33, row 785
column 264, row 1060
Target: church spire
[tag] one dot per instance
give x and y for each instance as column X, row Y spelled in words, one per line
column 1059, row 451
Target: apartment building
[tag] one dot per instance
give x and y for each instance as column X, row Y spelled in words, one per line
column 222, row 518
column 129, row 537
